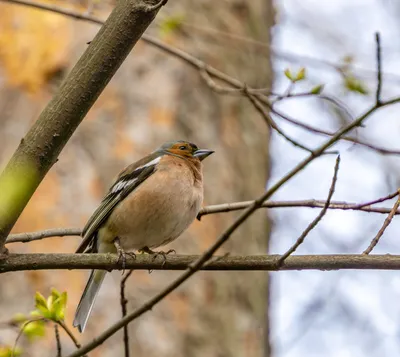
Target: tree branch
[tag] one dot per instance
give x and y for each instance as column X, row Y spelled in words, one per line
column 378, row 69
column 39, row 150
column 22, row 262
column 223, row 208
column 124, row 302
column 386, row 223
column 316, row 220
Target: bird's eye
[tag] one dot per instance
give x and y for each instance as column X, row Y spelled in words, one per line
column 182, row 147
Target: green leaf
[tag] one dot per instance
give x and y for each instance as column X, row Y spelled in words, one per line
column 317, row 89
column 59, row 307
column 41, row 303
column 171, row 24
column 354, row 84
column 34, row 330
column 55, row 293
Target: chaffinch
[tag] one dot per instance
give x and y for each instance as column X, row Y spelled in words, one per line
column 150, row 204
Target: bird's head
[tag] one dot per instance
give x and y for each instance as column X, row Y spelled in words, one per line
column 184, row 149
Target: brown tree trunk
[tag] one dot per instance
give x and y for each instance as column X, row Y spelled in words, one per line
column 155, row 98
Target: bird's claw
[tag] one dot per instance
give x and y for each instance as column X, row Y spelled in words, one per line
column 156, row 254
column 122, row 255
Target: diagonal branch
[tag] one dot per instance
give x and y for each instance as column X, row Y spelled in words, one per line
column 388, row 220
column 378, row 69
column 123, row 303
column 317, row 219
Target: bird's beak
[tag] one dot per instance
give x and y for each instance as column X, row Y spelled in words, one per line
column 201, row 154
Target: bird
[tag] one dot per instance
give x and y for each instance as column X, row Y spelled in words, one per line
column 150, row 203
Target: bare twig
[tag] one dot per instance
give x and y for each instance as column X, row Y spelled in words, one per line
column 317, row 219
column 316, row 130
column 287, row 56
column 201, row 66
column 222, row 208
column 386, row 223
column 336, row 205
column 58, row 10
column 378, row 200
column 58, row 341
column 271, row 123
column 378, row 69
column 70, row 334
column 29, row 237
column 123, row 302
column 21, row 330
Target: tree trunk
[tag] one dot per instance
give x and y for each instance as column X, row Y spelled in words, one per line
column 213, row 314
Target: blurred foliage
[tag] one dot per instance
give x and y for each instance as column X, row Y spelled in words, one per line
column 171, row 24
column 33, row 45
column 7, row 351
column 354, row 84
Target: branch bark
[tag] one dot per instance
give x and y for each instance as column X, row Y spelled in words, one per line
column 40, row 148
column 21, row 262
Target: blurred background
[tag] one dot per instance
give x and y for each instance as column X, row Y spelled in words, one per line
column 154, row 98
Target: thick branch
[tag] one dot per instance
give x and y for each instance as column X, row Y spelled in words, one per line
column 21, row 262
column 39, row 150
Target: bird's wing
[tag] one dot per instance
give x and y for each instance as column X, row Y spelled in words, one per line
column 127, row 181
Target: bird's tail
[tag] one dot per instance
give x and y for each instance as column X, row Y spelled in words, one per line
column 88, row 298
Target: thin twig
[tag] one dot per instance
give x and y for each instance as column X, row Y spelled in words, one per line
column 271, row 123
column 201, row 66
column 336, row 205
column 21, row 330
column 378, row 69
column 386, row 223
column 29, row 237
column 287, row 56
column 222, row 208
column 378, row 200
column 317, row 219
column 69, row 333
column 316, row 130
column 268, row 119
column 284, row 55
column 58, row 341
column 124, row 302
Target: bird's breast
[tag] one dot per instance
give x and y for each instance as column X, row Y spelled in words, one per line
column 158, row 211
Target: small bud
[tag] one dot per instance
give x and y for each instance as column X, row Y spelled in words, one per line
column 300, row 75
column 288, row 74
column 317, row 89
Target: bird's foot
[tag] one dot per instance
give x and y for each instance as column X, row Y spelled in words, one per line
column 156, row 254
column 122, row 254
